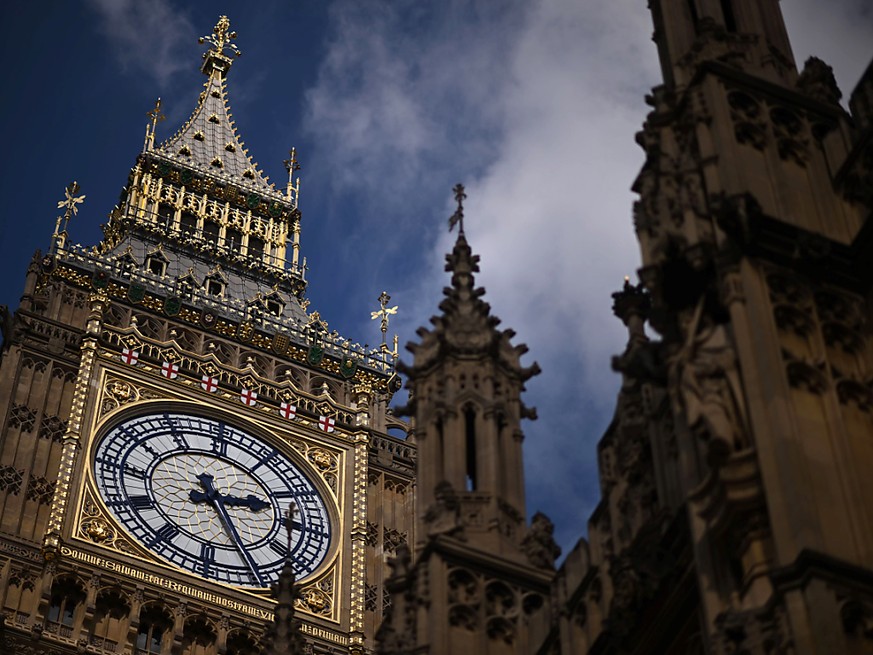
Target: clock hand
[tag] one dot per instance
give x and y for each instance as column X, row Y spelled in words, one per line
column 252, row 502
column 211, row 494
column 208, row 481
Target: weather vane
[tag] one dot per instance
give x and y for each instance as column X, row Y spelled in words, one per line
column 458, row 216
column 221, row 38
column 383, row 313
column 70, row 206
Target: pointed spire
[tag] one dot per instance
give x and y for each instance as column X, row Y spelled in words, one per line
column 466, row 325
column 208, row 142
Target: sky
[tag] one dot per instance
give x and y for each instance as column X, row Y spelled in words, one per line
column 532, row 105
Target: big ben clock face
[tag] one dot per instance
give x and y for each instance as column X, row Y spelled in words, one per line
column 211, row 498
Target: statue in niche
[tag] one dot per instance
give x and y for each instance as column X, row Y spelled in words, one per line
column 444, row 516
column 705, row 378
column 539, row 542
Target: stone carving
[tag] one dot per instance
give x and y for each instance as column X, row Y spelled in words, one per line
column 464, row 598
column 444, row 516
column 502, row 609
column 317, row 597
column 704, row 373
column 761, row 631
column 805, row 374
column 857, row 619
column 790, row 133
column 817, row 81
column 95, row 527
column 117, row 393
column 747, row 115
column 539, row 543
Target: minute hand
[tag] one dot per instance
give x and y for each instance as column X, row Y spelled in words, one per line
column 216, row 499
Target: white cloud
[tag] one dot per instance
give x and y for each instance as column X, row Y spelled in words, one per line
column 534, row 106
column 147, row 36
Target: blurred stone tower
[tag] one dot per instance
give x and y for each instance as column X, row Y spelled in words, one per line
column 737, row 500
column 736, row 512
column 480, row 579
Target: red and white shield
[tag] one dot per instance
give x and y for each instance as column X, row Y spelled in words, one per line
column 288, row 410
column 209, row 383
column 170, row 370
column 129, row 356
column 248, row 397
column 326, row 423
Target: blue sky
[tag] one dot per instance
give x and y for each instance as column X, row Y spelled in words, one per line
column 532, row 105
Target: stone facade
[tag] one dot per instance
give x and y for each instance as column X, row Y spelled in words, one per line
column 191, row 306
column 735, row 512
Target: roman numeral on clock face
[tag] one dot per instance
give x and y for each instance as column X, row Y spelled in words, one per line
column 207, row 556
column 141, row 502
column 167, row 532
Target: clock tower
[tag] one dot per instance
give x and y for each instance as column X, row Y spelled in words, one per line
column 178, row 425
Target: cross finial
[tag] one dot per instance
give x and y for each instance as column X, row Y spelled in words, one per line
column 291, row 164
column 221, row 38
column 155, row 116
column 458, row 216
column 383, row 313
column 70, row 206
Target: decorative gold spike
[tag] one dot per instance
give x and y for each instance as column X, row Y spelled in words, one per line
column 383, row 313
column 155, row 116
column 70, row 206
column 221, row 38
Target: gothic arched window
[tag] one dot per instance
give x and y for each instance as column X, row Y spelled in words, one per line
column 67, row 596
column 154, row 625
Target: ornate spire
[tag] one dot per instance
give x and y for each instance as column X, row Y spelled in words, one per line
column 214, row 59
column 466, row 325
column 155, row 116
column 208, row 141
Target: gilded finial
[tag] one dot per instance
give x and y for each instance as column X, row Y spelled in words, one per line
column 292, row 166
column 220, row 40
column 70, row 206
column 383, row 313
column 155, row 116
column 458, row 216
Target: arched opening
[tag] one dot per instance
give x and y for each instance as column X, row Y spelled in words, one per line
column 155, row 625
column 67, row 598
column 110, row 615
column 198, row 637
column 470, row 439
column 241, row 643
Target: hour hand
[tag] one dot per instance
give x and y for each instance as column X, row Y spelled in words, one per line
column 252, row 502
column 208, row 483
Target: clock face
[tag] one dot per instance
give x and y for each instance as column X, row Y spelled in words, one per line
column 211, row 498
